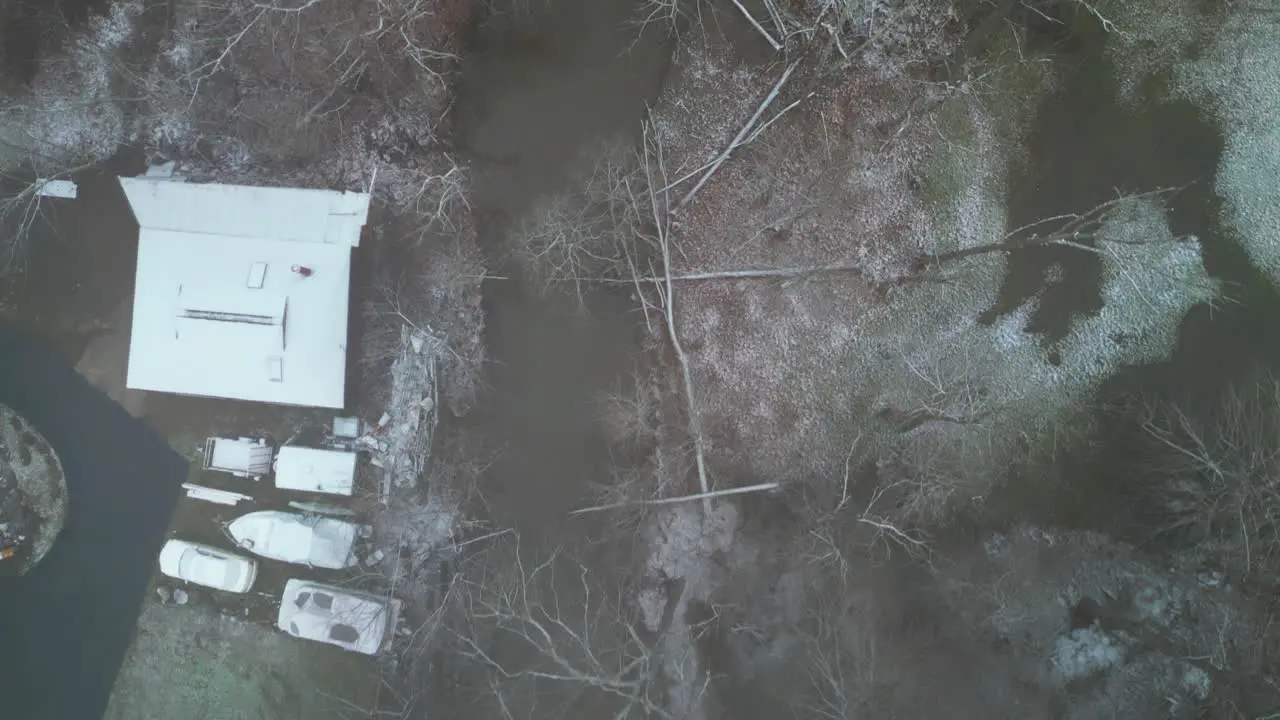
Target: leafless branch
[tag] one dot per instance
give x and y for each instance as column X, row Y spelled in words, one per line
column 655, row 174
column 574, row 237
column 439, row 194
column 1072, row 230
column 762, row 487
column 842, row 660
column 20, row 212
column 741, row 138
column 576, row 639
column 1215, row 477
column 785, row 273
column 1106, row 23
column 768, row 37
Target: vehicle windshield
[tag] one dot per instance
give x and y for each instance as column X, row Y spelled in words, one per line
column 343, row 633
column 205, row 568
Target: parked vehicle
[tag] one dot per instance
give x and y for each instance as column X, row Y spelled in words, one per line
column 352, row 620
column 242, row 457
column 316, row 470
column 312, row 540
column 208, row 566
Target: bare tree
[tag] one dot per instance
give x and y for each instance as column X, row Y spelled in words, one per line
column 1217, row 475
column 576, row 237
column 433, row 291
column 19, row 215
column 24, row 210
column 544, row 630
column 1081, row 231
column 437, row 196
column 843, row 670
column 660, row 212
column 876, row 523
column 630, row 413
column 333, row 92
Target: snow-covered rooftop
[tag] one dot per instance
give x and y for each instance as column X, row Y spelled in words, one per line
column 220, row 306
column 315, row 470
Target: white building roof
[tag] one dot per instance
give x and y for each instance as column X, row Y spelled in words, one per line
column 313, row 216
column 218, row 310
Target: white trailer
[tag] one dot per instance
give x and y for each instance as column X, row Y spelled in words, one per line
column 242, row 457
column 332, row 472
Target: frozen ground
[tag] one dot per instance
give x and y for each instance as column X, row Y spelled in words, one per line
column 195, row 664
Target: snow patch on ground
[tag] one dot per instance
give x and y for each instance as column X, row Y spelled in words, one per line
column 1084, row 652
column 1159, row 603
column 1153, row 632
column 1233, row 78
column 71, row 115
column 1196, row 682
column 682, row 542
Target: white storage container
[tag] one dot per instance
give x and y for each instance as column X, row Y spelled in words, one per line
column 313, row 470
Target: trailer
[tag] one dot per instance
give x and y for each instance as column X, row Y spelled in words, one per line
column 304, row 469
column 242, row 457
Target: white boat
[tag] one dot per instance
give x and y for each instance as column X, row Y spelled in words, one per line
column 311, row 540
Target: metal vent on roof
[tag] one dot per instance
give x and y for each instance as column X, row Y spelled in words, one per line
column 226, row 304
column 231, row 317
column 257, row 276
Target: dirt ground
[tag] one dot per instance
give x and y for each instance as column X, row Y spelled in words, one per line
column 194, row 662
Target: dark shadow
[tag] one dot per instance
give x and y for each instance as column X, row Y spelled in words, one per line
column 65, row 626
column 1088, row 149
column 81, row 258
